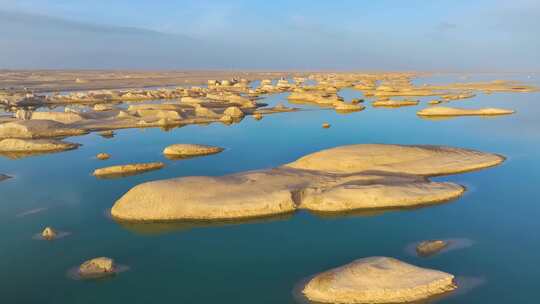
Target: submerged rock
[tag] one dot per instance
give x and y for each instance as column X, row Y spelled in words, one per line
column 427, row 248
column 97, row 268
column 37, row 129
column 103, row 156
column 448, row 111
column 378, row 280
column 334, row 180
column 35, row 145
column 127, row 170
column 49, row 233
column 190, row 150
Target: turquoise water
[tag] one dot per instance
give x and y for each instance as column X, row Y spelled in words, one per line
column 261, row 262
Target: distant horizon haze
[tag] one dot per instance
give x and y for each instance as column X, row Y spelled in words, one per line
column 420, row 36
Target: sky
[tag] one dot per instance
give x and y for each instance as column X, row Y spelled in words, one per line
column 442, row 35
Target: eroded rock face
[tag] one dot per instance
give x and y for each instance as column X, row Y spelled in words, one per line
column 190, row 150
column 448, row 111
column 378, row 280
column 97, row 268
column 428, row 248
column 334, row 180
column 127, row 170
column 37, row 129
column 35, row 145
column 62, row 117
column 234, row 112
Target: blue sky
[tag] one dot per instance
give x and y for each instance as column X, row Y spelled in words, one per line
column 446, row 35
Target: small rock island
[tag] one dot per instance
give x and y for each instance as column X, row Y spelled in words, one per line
column 377, row 280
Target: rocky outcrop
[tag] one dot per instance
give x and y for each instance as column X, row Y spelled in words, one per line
column 49, row 233
column 234, row 112
column 103, row 107
column 103, row 156
column 35, row 145
column 106, row 134
column 448, row 111
column 37, row 129
column 334, row 180
column 190, row 150
column 377, row 280
column 127, row 170
column 347, row 107
column 428, row 248
column 62, row 117
column 97, row 268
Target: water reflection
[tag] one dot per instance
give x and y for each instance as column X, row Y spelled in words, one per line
column 156, row 228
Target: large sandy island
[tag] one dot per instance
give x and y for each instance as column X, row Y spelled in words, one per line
column 341, row 179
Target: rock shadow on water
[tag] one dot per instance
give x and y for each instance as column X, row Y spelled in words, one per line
column 453, row 244
column 465, row 285
column 174, row 226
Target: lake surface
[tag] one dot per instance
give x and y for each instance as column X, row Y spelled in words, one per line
column 262, row 261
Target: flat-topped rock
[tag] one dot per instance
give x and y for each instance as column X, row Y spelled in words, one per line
column 106, row 134
column 428, row 248
column 126, row 170
column 35, row 145
column 334, row 180
column 37, row 129
column 97, row 268
column 190, row 150
column 448, row 111
column 348, row 107
column 378, row 280
column 63, row 117
column 407, row 159
column 394, row 103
